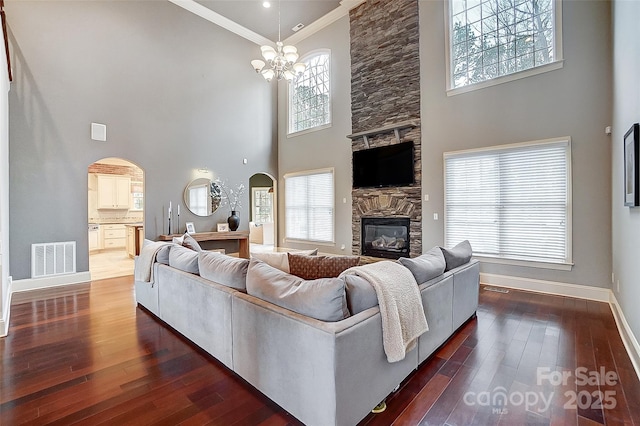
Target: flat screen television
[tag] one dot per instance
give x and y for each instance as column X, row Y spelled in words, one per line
column 390, row 165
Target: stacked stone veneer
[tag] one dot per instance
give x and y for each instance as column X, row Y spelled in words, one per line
column 385, row 89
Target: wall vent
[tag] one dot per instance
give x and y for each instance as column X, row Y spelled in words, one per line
column 50, row 259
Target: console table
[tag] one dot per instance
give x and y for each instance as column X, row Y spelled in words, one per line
column 242, row 237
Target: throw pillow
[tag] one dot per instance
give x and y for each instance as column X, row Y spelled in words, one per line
column 314, row 267
column 458, row 255
column 223, row 269
column 280, row 260
column 189, row 242
column 426, row 266
column 322, row 299
column 183, row 259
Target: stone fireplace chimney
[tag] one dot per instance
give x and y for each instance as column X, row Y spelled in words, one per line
column 385, row 91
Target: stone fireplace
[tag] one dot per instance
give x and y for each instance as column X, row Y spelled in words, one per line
column 385, row 110
column 385, row 237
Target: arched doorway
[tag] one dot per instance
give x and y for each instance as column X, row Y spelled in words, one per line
column 115, row 213
column 262, row 212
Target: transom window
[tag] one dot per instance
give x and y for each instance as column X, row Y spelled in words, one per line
column 489, row 39
column 511, row 202
column 309, row 205
column 309, row 95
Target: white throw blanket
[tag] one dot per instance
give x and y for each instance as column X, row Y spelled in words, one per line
column 146, row 259
column 403, row 319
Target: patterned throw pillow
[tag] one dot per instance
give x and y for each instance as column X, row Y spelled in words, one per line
column 314, row 267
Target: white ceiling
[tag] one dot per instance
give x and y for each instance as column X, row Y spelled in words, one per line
column 252, row 15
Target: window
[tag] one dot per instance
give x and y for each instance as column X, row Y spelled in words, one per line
column 262, row 205
column 511, row 202
column 489, row 39
column 309, row 95
column 309, row 205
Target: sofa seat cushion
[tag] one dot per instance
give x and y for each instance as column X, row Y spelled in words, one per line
column 323, row 299
column 321, row 266
column 457, row 255
column 223, row 269
column 427, row 266
column 183, row 259
column 280, row 260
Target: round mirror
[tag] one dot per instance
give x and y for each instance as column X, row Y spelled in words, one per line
column 202, row 197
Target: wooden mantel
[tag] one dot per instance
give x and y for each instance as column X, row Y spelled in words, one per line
column 242, row 237
column 396, row 127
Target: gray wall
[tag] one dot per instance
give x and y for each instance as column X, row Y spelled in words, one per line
column 626, row 111
column 4, row 191
column 176, row 92
column 324, row 148
column 573, row 101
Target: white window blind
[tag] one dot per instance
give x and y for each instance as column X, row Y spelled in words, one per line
column 511, row 202
column 309, row 205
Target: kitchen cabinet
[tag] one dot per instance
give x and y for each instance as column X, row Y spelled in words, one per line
column 135, row 237
column 114, row 192
column 113, row 236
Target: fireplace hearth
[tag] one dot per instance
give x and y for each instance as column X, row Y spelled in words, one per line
column 385, row 237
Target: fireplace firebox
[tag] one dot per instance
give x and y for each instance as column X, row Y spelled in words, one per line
column 386, row 237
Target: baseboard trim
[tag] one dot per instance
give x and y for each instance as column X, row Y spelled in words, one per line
column 579, row 292
column 48, row 282
column 548, row 287
column 628, row 338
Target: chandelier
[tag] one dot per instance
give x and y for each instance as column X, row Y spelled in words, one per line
column 279, row 62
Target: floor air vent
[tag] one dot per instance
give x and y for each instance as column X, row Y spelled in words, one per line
column 50, row 259
column 497, row 290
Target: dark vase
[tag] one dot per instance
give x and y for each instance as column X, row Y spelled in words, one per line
column 233, row 221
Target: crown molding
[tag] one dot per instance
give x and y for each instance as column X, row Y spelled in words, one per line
column 324, row 21
column 221, row 21
column 228, row 24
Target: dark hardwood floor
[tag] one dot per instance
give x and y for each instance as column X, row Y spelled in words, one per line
column 85, row 354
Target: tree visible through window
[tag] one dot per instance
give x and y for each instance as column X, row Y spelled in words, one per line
column 309, row 96
column 493, row 38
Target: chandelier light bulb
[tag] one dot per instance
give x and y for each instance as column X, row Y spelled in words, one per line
column 257, row 65
column 268, row 74
column 266, row 4
column 269, row 53
column 299, row 67
column 288, row 75
column 289, row 49
column 291, row 56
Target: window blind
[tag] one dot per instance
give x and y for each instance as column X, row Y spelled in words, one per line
column 512, row 202
column 309, row 205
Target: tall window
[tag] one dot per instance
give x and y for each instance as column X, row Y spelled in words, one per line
column 511, row 202
column 493, row 38
column 309, row 205
column 262, row 205
column 309, row 95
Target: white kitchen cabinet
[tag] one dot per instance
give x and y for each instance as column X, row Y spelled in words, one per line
column 113, row 236
column 114, row 192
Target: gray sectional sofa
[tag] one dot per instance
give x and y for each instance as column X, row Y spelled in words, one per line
column 323, row 373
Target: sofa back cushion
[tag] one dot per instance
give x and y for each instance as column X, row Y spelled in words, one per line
column 314, row 267
column 322, row 299
column 360, row 294
column 280, row 260
column 223, row 269
column 183, row 259
column 162, row 256
column 457, row 255
column 189, row 242
column 426, row 266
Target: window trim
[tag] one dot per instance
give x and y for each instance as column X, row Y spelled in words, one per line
column 305, row 58
column 568, row 264
column 333, row 206
column 556, row 64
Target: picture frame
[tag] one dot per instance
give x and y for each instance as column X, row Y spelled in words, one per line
column 190, row 228
column 632, row 166
column 223, row 227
